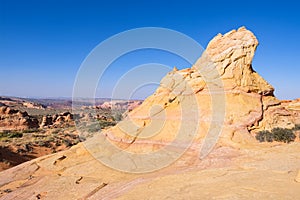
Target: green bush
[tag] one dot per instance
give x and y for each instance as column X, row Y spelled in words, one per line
column 118, row 117
column 92, row 128
column 277, row 134
column 15, row 135
column 264, row 136
column 297, row 127
column 104, row 123
column 11, row 134
column 283, row 135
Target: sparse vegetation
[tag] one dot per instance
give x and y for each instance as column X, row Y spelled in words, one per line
column 60, row 132
column 264, row 136
column 283, row 135
column 30, row 131
column 56, row 131
column 15, row 135
column 11, row 134
column 104, row 124
column 118, row 117
column 276, row 134
column 297, row 127
column 92, row 128
column 97, row 126
column 68, row 143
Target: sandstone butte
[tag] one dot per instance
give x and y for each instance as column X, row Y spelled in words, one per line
column 215, row 107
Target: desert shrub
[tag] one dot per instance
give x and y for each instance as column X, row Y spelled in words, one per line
column 104, row 123
column 57, row 143
column 41, row 143
column 39, row 135
column 68, row 143
column 10, row 134
column 4, row 132
column 3, row 135
column 93, row 128
column 56, row 131
column 283, row 135
column 297, row 127
column 118, row 117
column 15, row 135
column 264, row 136
column 277, row 134
column 51, row 139
column 30, row 131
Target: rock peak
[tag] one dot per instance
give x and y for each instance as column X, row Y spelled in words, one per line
column 232, row 55
column 233, row 40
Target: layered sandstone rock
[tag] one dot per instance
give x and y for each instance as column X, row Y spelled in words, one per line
column 46, row 121
column 11, row 119
column 220, row 98
column 58, row 120
column 222, row 82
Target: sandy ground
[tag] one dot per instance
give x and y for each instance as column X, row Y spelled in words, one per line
column 258, row 171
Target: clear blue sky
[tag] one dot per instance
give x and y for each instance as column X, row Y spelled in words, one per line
column 43, row 43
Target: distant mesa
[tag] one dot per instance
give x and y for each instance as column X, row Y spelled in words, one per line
column 19, row 102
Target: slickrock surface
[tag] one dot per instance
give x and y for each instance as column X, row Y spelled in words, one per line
column 220, row 92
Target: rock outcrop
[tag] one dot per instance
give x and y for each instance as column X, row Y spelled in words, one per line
column 220, row 99
column 46, row 121
column 222, row 81
column 58, row 120
column 11, row 119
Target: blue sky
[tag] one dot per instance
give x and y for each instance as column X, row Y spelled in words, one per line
column 43, row 43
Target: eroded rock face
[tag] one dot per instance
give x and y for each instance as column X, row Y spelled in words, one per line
column 226, row 68
column 11, row 119
column 232, row 55
column 46, row 121
column 58, row 120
